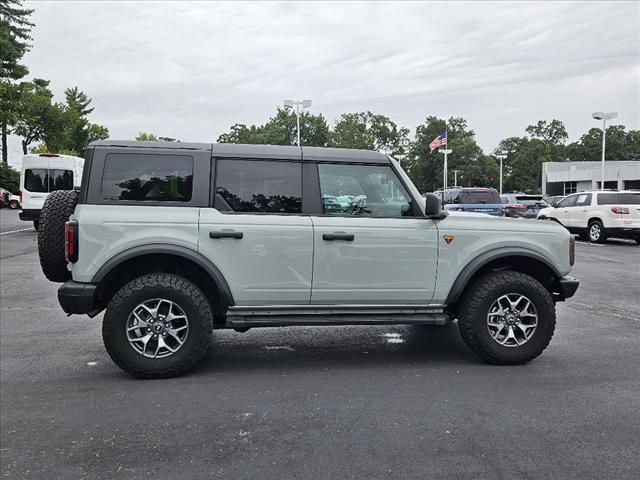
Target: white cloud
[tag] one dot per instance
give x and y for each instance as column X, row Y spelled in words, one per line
column 191, row 70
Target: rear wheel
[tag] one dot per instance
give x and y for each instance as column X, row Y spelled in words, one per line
column 596, row 232
column 55, row 212
column 14, row 204
column 158, row 325
column 506, row 317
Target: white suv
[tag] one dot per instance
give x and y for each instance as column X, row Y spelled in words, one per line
column 598, row 215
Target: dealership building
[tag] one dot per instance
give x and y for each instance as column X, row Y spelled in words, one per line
column 563, row 178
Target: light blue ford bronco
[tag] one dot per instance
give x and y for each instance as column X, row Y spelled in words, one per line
column 176, row 239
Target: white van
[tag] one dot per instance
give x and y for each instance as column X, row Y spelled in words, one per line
column 43, row 173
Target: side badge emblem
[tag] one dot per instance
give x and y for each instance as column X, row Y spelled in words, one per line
column 448, row 238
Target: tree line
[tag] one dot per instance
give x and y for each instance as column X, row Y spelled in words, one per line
column 523, row 156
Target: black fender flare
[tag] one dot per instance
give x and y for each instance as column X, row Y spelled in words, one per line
column 168, row 249
column 483, row 259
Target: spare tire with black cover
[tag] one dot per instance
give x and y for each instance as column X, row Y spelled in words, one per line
column 56, row 210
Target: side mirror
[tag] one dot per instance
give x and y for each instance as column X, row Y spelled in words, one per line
column 433, row 206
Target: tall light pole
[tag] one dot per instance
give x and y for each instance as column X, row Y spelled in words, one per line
column 501, row 156
column 446, row 152
column 455, row 178
column 604, row 116
column 299, row 104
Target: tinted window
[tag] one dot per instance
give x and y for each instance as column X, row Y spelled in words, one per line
column 60, row 180
column 630, row 198
column 138, row 177
column 259, row 186
column 608, row 199
column 44, row 180
column 363, row 190
column 36, row 180
column 479, row 196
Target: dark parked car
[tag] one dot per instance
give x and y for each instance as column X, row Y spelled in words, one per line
column 523, row 206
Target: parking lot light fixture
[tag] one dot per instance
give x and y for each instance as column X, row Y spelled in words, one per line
column 604, row 116
column 501, row 156
column 298, row 104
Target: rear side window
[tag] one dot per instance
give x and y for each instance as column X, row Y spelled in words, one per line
column 608, row 199
column 138, row 177
column 630, row 198
column 258, row 186
column 36, row 180
column 43, row 180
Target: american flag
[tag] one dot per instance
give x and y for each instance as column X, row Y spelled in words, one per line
column 439, row 141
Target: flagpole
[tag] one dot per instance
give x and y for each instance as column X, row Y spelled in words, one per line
column 446, row 151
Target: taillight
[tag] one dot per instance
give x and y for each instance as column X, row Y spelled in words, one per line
column 20, row 195
column 71, row 241
column 620, row 210
column 572, row 250
column 519, row 206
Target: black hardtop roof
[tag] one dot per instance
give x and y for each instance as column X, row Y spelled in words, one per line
column 466, row 189
column 283, row 152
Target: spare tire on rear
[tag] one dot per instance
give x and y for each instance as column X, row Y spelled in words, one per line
column 56, row 210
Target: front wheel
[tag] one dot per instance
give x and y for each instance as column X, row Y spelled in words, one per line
column 506, row 317
column 158, row 325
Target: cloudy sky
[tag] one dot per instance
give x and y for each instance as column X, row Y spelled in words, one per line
column 190, row 70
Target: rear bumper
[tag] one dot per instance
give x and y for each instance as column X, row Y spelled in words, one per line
column 76, row 297
column 29, row 215
column 568, row 286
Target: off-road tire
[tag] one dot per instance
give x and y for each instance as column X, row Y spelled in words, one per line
column 14, row 204
column 603, row 234
column 474, row 307
column 55, row 212
column 168, row 286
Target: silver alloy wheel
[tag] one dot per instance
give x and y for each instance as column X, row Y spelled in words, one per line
column 157, row 328
column 512, row 320
column 594, row 231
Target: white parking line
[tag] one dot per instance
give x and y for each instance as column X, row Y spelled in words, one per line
column 16, row 231
column 592, row 244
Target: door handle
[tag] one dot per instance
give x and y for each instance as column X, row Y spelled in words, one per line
column 349, row 237
column 226, row 234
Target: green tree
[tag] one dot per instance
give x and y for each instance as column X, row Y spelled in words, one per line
column 15, row 29
column 240, row 133
column 150, row 137
column 369, row 131
column 621, row 145
column 281, row 129
column 9, row 178
column 37, row 116
column 426, row 169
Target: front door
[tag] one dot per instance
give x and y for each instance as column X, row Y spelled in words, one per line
column 562, row 210
column 371, row 245
column 578, row 215
column 256, row 235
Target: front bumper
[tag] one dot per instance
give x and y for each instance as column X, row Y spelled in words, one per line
column 29, row 215
column 568, row 286
column 76, row 297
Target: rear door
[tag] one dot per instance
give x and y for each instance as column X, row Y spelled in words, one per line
column 256, row 234
column 377, row 249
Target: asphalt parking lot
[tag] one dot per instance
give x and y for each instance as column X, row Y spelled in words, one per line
column 348, row 402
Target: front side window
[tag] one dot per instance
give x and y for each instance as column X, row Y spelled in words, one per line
column 570, row 201
column 584, row 199
column 141, row 177
column 363, row 190
column 258, row 186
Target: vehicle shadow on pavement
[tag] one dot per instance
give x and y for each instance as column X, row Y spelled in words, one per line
column 301, row 348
